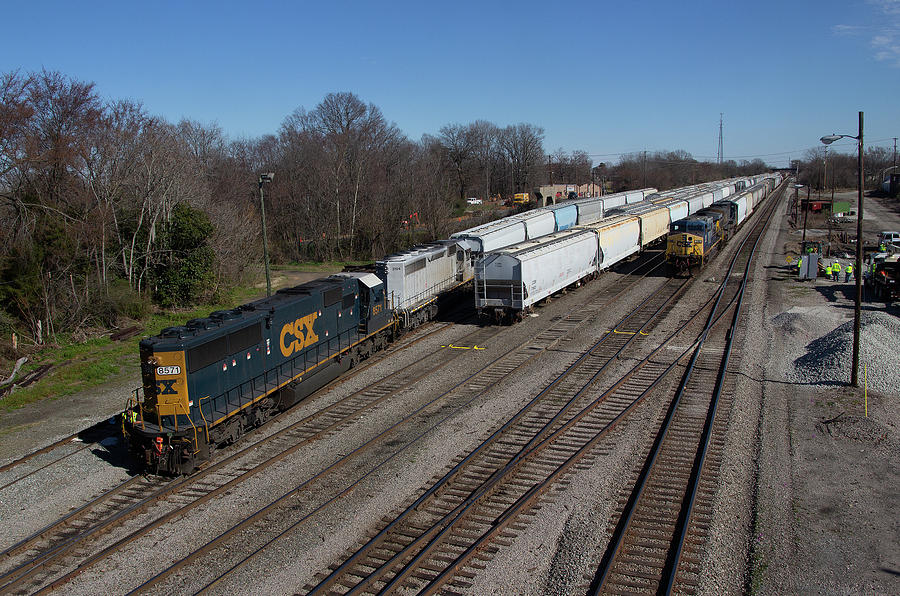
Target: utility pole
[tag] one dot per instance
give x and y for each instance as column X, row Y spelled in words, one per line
column 721, row 155
column 854, row 372
column 265, row 179
column 644, row 170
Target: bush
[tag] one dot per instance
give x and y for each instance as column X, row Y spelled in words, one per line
column 186, row 274
column 120, row 301
column 129, row 303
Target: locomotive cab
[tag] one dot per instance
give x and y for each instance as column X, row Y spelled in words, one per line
column 690, row 240
column 372, row 304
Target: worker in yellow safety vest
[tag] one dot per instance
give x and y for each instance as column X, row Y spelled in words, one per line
column 848, row 274
column 799, row 264
column 836, row 268
column 828, row 273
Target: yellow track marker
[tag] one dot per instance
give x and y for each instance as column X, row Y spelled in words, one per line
column 628, row 332
column 451, row 346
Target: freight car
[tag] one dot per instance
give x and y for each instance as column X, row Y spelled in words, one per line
column 511, row 280
column 207, row 382
column 508, row 283
column 515, row 229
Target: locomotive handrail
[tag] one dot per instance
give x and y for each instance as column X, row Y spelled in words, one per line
column 288, row 370
column 203, row 416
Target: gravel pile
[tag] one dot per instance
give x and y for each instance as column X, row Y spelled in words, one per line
column 828, row 358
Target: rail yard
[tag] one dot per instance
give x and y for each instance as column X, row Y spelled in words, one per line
column 636, row 431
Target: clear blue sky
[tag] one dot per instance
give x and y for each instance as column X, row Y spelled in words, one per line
column 605, row 77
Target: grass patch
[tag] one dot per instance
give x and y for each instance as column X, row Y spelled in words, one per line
column 317, row 266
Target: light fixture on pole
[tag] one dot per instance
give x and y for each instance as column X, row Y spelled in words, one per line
column 265, row 179
column 827, row 140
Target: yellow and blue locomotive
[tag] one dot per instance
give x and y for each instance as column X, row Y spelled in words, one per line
column 693, row 240
column 207, row 382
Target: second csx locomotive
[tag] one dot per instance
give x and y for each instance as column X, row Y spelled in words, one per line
column 693, row 240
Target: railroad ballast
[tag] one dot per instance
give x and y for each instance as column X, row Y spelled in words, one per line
column 207, row 382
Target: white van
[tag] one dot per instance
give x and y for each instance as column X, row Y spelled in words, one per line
column 889, row 238
column 473, row 201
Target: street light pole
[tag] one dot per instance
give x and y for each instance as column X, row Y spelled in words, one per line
column 827, row 140
column 264, row 179
column 854, row 374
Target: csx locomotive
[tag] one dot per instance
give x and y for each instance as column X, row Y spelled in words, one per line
column 693, row 240
column 208, row 381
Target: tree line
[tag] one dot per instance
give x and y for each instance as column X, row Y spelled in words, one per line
column 824, row 171
column 106, row 209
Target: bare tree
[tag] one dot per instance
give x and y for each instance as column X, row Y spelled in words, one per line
column 522, row 145
column 458, row 143
column 484, row 136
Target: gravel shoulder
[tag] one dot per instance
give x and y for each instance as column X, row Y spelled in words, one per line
column 826, row 498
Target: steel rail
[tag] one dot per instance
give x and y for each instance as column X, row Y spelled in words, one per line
column 505, row 518
column 453, row 472
column 528, row 449
column 527, row 499
column 654, row 264
column 697, row 471
column 41, row 451
column 617, row 541
column 46, row 558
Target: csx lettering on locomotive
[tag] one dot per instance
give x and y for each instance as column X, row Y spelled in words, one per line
column 302, row 339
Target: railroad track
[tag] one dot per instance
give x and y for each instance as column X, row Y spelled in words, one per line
column 657, row 543
column 481, row 502
column 414, row 548
column 34, row 561
column 464, row 393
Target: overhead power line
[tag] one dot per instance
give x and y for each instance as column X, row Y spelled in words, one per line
column 849, row 145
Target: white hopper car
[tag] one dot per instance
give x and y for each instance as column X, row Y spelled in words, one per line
column 509, row 282
column 515, row 229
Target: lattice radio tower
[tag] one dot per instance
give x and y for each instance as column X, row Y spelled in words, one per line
column 720, row 155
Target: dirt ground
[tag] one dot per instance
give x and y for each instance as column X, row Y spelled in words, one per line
column 827, row 501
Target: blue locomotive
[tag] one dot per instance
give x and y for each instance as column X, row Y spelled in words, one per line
column 207, row 382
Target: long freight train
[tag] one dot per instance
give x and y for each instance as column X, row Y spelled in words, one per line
column 207, row 382
column 510, row 281
column 694, row 239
